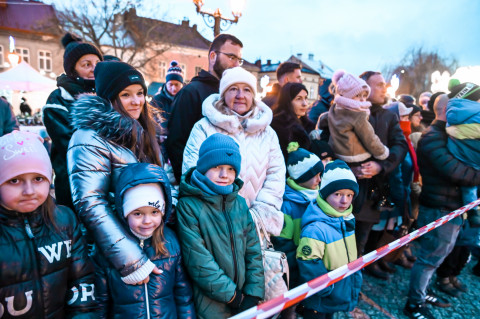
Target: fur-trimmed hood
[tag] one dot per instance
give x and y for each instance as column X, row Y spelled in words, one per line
column 258, row 121
column 95, row 113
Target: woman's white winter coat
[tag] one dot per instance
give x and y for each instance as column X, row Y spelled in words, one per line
column 263, row 168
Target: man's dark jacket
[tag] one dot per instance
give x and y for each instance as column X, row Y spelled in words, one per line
column 442, row 173
column 186, row 111
column 386, row 127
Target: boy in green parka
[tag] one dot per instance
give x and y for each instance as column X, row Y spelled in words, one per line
column 219, row 242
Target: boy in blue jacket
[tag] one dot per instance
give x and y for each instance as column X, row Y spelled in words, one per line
column 304, row 170
column 327, row 242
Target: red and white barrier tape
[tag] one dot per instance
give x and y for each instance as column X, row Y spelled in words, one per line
column 310, row 288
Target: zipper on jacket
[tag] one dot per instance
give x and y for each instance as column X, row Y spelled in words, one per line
column 36, row 276
column 146, row 301
column 142, row 243
column 232, row 242
column 344, row 241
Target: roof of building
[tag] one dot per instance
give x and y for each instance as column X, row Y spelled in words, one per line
column 161, row 31
column 272, row 67
column 315, row 65
column 28, row 16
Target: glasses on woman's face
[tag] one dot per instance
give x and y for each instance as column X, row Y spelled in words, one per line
column 232, row 57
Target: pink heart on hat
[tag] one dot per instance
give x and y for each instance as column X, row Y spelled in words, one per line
column 20, row 143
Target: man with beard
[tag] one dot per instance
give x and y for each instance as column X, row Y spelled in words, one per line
column 225, row 52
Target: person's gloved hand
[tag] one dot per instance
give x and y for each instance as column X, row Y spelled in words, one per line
column 315, row 134
column 248, row 302
column 236, row 300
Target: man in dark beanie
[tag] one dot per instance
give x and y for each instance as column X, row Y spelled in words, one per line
column 79, row 60
column 173, row 84
column 225, row 52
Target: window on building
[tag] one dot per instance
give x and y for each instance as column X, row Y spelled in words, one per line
column 24, row 54
column 163, row 69
column 45, row 60
column 312, row 93
column 2, row 57
column 184, row 70
column 197, row 70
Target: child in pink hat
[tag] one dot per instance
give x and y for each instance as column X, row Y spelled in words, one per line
column 43, row 259
column 352, row 137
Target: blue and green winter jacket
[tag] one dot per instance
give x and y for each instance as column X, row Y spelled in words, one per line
column 294, row 206
column 327, row 242
column 463, row 128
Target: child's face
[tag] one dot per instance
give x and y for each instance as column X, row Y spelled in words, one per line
column 24, row 193
column 145, row 220
column 362, row 96
column 222, row 175
column 341, row 199
column 312, row 183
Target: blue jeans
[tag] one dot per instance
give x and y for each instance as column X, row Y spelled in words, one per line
column 434, row 247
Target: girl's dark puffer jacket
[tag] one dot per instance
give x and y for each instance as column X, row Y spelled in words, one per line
column 44, row 273
column 167, row 295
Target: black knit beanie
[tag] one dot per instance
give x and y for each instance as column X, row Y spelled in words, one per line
column 74, row 50
column 467, row 90
column 111, row 77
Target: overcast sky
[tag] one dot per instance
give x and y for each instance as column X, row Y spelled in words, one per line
column 349, row 34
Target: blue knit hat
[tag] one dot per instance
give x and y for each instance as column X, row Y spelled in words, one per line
column 337, row 175
column 219, row 149
column 302, row 165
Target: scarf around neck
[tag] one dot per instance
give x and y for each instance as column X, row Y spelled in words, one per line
column 207, row 186
column 330, row 211
column 352, row 105
column 308, row 194
column 407, row 130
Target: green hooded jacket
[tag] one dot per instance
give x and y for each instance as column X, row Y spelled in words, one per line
column 220, row 247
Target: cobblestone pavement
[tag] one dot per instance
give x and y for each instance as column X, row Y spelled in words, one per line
column 386, row 299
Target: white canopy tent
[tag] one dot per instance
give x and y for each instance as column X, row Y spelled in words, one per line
column 25, row 78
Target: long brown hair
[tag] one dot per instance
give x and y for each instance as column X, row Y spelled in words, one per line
column 158, row 240
column 145, row 146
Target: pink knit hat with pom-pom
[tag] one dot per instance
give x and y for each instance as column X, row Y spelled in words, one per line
column 348, row 85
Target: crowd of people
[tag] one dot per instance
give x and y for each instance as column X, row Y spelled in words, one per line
column 156, row 207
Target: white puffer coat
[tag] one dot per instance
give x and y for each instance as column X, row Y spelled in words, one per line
column 263, row 168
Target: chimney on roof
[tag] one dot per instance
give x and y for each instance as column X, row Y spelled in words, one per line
column 299, row 56
column 269, row 62
column 185, row 22
column 258, row 63
column 194, row 27
column 310, row 56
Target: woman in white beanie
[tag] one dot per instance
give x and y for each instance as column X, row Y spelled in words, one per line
column 236, row 112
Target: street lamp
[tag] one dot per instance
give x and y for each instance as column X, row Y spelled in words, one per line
column 215, row 19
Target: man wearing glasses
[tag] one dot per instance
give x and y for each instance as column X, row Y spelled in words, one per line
column 225, row 52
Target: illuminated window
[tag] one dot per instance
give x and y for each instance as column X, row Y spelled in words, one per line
column 2, row 57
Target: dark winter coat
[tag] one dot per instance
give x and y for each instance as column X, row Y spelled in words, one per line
column 442, row 173
column 163, row 102
column 272, row 97
column 220, row 247
column 186, row 111
column 56, row 118
column 386, row 127
column 8, row 121
column 95, row 160
column 292, row 130
column 44, row 273
column 167, row 295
